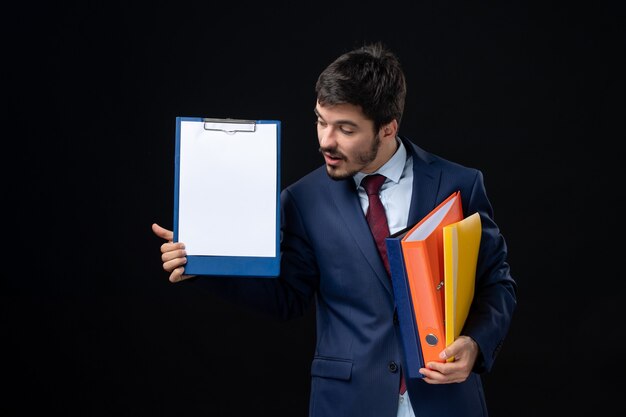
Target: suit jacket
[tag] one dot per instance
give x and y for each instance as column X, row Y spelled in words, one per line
column 328, row 255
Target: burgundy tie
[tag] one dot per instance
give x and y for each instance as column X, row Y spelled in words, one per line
column 377, row 220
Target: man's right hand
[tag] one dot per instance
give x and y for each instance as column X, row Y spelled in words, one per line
column 173, row 255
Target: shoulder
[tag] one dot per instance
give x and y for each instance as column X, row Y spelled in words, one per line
column 428, row 161
column 314, row 179
column 310, row 187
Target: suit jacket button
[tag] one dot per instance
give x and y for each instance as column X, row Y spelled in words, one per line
column 393, row 367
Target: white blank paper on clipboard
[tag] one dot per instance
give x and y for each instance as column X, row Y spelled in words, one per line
column 227, row 195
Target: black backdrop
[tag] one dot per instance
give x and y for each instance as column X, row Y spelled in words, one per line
column 532, row 94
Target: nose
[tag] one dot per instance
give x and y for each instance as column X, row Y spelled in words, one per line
column 327, row 138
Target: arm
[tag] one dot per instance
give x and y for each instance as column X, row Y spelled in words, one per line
column 285, row 297
column 492, row 308
column 495, row 297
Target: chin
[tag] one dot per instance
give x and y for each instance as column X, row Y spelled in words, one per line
column 337, row 174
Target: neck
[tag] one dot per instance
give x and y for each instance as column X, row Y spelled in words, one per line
column 388, row 148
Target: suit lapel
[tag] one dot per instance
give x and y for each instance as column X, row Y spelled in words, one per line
column 423, row 200
column 346, row 200
column 425, row 184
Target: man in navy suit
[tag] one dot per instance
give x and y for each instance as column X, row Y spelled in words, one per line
column 329, row 255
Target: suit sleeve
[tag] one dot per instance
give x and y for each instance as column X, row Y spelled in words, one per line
column 287, row 296
column 495, row 295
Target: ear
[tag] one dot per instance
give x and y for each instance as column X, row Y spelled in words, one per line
column 389, row 130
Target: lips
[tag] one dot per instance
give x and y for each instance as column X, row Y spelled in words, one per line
column 332, row 159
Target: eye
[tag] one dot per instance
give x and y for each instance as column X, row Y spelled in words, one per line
column 321, row 123
column 346, row 130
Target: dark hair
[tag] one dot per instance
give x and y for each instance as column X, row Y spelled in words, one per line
column 370, row 77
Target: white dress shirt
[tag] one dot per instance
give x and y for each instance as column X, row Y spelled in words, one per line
column 396, row 191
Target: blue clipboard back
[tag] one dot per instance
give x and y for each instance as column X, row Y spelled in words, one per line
column 227, row 196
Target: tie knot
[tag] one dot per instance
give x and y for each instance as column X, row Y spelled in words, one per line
column 372, row 183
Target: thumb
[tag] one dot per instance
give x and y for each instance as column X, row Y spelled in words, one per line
column 162, row 232
column 461, row 346
column 450, row 351
column 446, row 354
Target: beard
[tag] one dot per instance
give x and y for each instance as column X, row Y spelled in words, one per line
column 362, row 159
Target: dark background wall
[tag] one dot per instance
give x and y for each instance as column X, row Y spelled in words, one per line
column 532, row 94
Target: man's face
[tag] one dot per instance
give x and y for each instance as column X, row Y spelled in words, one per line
column 347, row 140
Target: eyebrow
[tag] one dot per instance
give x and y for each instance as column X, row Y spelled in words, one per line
column 337, row 122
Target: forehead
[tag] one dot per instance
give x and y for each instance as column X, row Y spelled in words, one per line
column 341, row 112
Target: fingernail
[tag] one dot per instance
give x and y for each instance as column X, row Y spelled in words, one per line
column 443, row 355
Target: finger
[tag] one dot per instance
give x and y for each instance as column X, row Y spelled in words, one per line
column 173, row 264
column 442, row 368
column 447, row 355
column 170, row 251
column 456, row 348
column 432, row 376
column 449, row 352
column 444, row 374
column 162, row 232
column 451, row 371
column 179, row 275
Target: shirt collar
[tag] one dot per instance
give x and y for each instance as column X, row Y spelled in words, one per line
column 392, row 169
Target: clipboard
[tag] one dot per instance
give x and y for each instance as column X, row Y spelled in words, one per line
column 227, row 195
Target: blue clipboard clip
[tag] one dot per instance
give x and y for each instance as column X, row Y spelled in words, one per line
column 229, row 126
